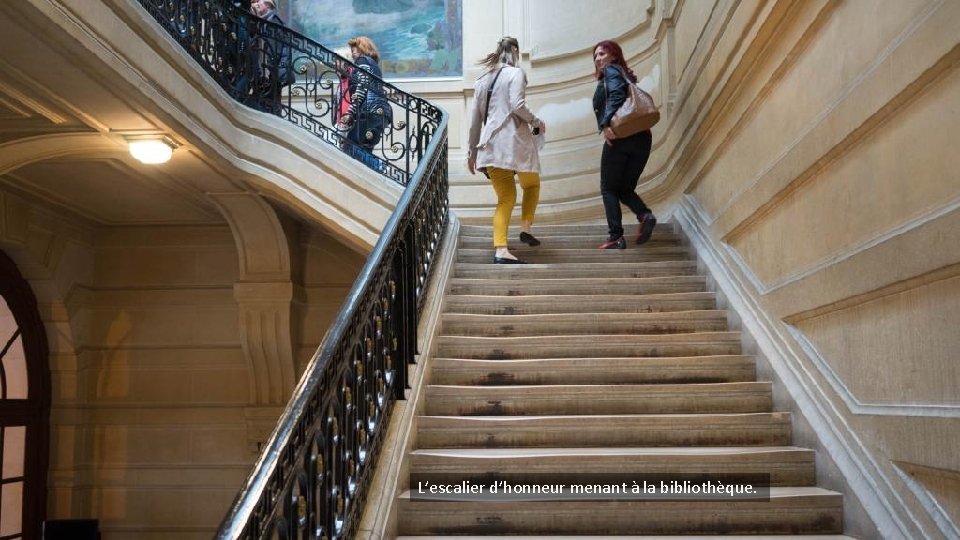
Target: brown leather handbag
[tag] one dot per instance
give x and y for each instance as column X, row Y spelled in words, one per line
column 638, row 112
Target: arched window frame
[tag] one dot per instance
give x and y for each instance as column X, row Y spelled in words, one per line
column 34, row 411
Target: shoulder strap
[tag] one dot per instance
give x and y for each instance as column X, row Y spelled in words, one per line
column 490, row 94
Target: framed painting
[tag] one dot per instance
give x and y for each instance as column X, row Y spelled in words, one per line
column 416, row 38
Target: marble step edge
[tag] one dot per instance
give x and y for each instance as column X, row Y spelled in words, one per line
column 584, row 340
column 600, row 370
column 513, row 232
column 506, row 454
column 626, row 537
column 776, row 493
column 587, row 280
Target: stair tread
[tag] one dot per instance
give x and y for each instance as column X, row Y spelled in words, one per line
column 683, row 263
column 679, row 315
column 625, row 537
column 598, row 370
column 635, row 387
column 495, row 324
column 517, row 400
column 615, row 339
column 560, row 419
column 574, row 280
column 594, row 358
column 548, row 229
column 573, row 451
column 775, row 493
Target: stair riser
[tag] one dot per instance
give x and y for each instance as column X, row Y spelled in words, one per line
column 445, row 403
column 514, row 305
column 785, row 468
column 594, row 371
column 518, row 351
column 636, row 255
column 530, row 288
column 546, row 231
column 565, row 329
column 568, row 242
column 586, row 435
column 822, row 515
column 642, row 270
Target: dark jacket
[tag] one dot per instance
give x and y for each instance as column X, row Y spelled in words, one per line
column 366, row 91
column 278, row 57
column 610, row 94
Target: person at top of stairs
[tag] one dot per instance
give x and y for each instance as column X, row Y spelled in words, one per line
column 623, row 159
column 502, row 143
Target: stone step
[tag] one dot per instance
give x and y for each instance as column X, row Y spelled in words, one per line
column 753, row 429
column 526, row 305
column 790, row 510
column 689, row 369
column 645, row 537
column 786, row 465
column 739, row 397
column 542, row 255
column 549, row 324
column 588, row 346
column 596, row 270
column 578, row 286
column 570, row 241
column 548, row 230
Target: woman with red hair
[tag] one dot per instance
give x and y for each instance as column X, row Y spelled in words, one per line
column 623, row 159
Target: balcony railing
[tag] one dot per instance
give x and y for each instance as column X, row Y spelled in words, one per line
column 312, row 477
column 274, row 69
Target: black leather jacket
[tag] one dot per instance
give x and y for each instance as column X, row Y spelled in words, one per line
column 610, row 94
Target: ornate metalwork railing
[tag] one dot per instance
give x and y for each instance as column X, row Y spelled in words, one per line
column 311, row 479
column 274, row 69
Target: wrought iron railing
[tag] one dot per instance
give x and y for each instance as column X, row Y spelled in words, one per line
column 311, row 479
column 274, row 69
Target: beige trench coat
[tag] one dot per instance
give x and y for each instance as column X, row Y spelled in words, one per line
column 506, row 140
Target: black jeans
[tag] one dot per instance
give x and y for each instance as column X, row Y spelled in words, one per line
column 620, row 167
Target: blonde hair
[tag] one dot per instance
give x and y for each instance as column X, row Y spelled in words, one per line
column 365, row 46
column 507, row 52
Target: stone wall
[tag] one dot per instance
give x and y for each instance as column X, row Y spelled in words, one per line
column 156, row 409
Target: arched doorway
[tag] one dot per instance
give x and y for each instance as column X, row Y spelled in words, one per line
column 24, row 408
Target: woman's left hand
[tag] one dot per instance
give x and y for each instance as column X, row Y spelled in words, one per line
column 609, row 135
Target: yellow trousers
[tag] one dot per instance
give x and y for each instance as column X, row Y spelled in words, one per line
column 506, row 189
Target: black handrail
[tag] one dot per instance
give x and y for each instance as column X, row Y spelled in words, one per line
column 277, row 70
column 311, row 479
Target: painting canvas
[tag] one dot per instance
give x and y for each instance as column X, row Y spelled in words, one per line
column 416, row 38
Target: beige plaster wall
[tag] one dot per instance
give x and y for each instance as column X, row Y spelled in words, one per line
column 153, row 425
column 328, row 272
column 820, row 179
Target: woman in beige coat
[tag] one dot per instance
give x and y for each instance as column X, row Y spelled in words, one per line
column 502, row 143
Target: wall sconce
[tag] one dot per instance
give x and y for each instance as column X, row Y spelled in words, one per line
column 151, row 149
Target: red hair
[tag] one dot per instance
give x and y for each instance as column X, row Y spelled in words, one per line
column 613, row 49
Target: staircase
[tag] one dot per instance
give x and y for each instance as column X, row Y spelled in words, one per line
column 600, row 363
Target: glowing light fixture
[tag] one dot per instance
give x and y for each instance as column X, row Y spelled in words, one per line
column 151, row 150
